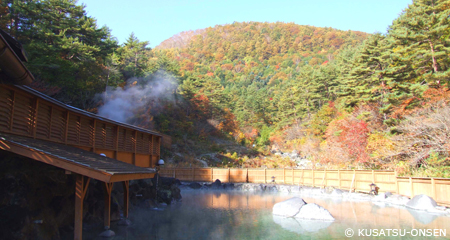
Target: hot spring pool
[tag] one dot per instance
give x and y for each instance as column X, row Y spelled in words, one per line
column 247, row 215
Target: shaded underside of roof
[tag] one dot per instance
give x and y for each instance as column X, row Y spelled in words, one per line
column 74, row 159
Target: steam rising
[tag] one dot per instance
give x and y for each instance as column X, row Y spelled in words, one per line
column 121, row 104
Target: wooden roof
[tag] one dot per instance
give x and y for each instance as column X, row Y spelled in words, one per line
column 74, row 159
column 12, row 70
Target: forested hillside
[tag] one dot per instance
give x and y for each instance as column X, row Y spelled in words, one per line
column 341, row 99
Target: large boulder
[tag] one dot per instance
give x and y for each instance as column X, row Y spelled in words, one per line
column 288, row 208
column 312, row 211
column 216, row 184
column 422, row 202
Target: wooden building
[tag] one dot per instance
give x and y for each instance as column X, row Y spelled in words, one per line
column 44, row 129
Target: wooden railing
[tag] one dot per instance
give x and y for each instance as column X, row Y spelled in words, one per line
column 355, row 180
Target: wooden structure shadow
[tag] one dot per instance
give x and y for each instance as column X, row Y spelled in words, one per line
column 44, row 129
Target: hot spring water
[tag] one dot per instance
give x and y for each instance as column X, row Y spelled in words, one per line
column 247, row 215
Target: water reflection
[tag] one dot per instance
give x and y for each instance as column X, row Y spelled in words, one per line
column 241, row 215
column 301, row 226
column 422, row 217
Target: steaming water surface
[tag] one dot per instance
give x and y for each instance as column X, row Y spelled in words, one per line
column 244, row 215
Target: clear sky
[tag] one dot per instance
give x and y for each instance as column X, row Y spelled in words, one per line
column 158, row 20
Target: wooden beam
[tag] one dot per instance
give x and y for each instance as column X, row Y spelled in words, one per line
column 126, row 197
column 107, row 188
column 130, row 176
column 81, row 186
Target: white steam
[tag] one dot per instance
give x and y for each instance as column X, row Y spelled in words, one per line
column 122, row 104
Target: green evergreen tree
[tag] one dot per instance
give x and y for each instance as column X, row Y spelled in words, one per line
column 420, row 46
column 134, row 56
column 65, row 46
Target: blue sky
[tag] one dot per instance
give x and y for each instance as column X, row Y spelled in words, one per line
column 155, row 21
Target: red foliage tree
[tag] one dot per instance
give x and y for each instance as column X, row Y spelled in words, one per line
column 350, row 135
column 201, row 105
column 353, row 138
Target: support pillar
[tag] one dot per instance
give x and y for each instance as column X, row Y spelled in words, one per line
column 81, row 186
column 126, row 197
column 107, row 187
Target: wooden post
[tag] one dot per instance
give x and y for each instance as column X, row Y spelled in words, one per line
column 193, row 174
column 433, row 189
column 293, row 178
column 411, row 187
column 302, row 177
column 265, row 175
column 212, row 174
column 313, row 178
column 126, row 197
column 339, row 179
column 284, row 175
column 107, row 187
column 246, row 175
column 396, row 183
column 324, row 178
column 174, row 173
column 229, row 179
column 353, row 181
column 81, row 186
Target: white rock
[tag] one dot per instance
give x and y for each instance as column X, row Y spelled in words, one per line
column 422, row 202
column 288, row 208
column 313, row 211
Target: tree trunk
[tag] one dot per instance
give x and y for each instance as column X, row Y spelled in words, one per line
column 435, row 66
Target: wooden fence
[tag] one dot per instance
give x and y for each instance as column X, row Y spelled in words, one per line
column 355, row 180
